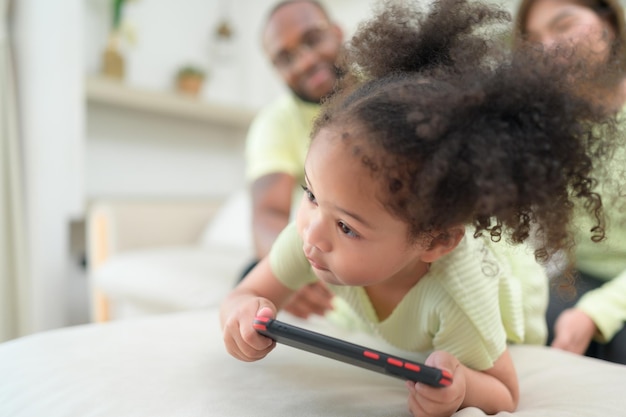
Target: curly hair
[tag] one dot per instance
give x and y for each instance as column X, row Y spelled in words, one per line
column 502, row 143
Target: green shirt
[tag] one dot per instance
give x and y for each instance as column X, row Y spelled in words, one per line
column 470, row 303
column 278, row 138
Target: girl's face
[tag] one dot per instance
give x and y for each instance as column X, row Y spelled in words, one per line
column 565, row 23
column 349, row 237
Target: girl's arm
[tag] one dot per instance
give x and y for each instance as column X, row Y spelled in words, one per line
column 492, row 391
column 260, row 293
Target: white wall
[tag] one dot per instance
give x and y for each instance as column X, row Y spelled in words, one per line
column 133, row 153
column 170, row 34
column 139, row 154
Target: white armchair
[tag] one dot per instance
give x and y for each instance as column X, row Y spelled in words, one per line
column 159, row 256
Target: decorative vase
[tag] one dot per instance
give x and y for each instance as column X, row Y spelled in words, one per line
column 112, row 59
column 190, row 84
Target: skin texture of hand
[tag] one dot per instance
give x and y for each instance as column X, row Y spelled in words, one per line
column 240, row 338
column 259, row 294
column 427, row 401
column 492, row 390
column 573, row 331
column 314, row 298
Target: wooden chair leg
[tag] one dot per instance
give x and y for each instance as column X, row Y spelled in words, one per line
column 101, row 307
column 100, row 303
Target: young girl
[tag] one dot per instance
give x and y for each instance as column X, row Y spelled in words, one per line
column 419, row 166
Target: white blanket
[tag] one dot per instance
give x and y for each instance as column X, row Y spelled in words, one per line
column 176, row 365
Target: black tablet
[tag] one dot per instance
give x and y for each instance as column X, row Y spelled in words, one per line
column 351, row 353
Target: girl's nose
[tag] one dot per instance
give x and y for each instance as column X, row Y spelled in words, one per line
column 317, row 234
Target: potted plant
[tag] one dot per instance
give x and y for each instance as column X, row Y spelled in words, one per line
column 189, row 79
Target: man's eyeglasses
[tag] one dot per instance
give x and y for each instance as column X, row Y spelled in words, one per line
column 310, row 42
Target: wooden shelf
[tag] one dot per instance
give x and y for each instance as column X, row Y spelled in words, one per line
column 115, row 93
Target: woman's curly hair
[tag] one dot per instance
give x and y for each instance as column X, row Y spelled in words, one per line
column 457, row 135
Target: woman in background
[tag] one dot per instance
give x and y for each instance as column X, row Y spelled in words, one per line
column 594, row 31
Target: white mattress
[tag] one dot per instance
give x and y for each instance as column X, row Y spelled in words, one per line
column 175, row 365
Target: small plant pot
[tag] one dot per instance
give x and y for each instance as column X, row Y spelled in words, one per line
column 189, row 80
column 190, row 84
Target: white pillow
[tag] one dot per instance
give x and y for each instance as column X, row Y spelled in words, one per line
column 231, row 227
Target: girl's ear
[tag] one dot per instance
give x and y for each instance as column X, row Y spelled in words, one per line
column 443, row 244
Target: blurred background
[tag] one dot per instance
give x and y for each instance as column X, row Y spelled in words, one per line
column 106, row 99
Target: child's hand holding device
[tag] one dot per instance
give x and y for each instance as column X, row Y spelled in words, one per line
column 425, row 400
column 240, row 338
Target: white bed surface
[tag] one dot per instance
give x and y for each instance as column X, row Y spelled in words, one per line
column 176, row 365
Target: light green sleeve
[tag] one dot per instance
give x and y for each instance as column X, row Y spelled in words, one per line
column 287, row 259
column 278, row 139
column 476, row 341
column 607, row 307
column 469, row 312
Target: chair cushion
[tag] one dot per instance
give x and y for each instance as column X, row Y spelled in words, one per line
column 167, row 279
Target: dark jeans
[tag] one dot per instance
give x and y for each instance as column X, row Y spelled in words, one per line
column 615, row 350
column 246, row 270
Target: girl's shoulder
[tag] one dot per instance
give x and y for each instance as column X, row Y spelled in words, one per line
column 476, row 270
column 472, row 258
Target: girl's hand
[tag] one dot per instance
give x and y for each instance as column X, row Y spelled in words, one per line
column 257, row 295
column 314, row 298
column 573, row 331
column 427, row 401
column 240, row 338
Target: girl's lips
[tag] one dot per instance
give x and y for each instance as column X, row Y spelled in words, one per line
column 316, row 265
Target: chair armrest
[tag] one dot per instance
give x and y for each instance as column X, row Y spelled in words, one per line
column 115, row 226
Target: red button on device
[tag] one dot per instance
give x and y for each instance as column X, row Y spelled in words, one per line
column 371, row 355
column 394, row 362
column 412, row 367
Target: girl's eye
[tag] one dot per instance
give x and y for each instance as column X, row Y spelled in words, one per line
column 346, row 229
column 309, row 195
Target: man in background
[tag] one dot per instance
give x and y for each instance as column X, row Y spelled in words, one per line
column 303, row 44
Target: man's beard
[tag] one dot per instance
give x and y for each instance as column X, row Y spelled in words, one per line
column 308, row 99
column 304, row 97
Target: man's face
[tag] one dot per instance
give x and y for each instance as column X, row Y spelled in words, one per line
column 303, row 46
